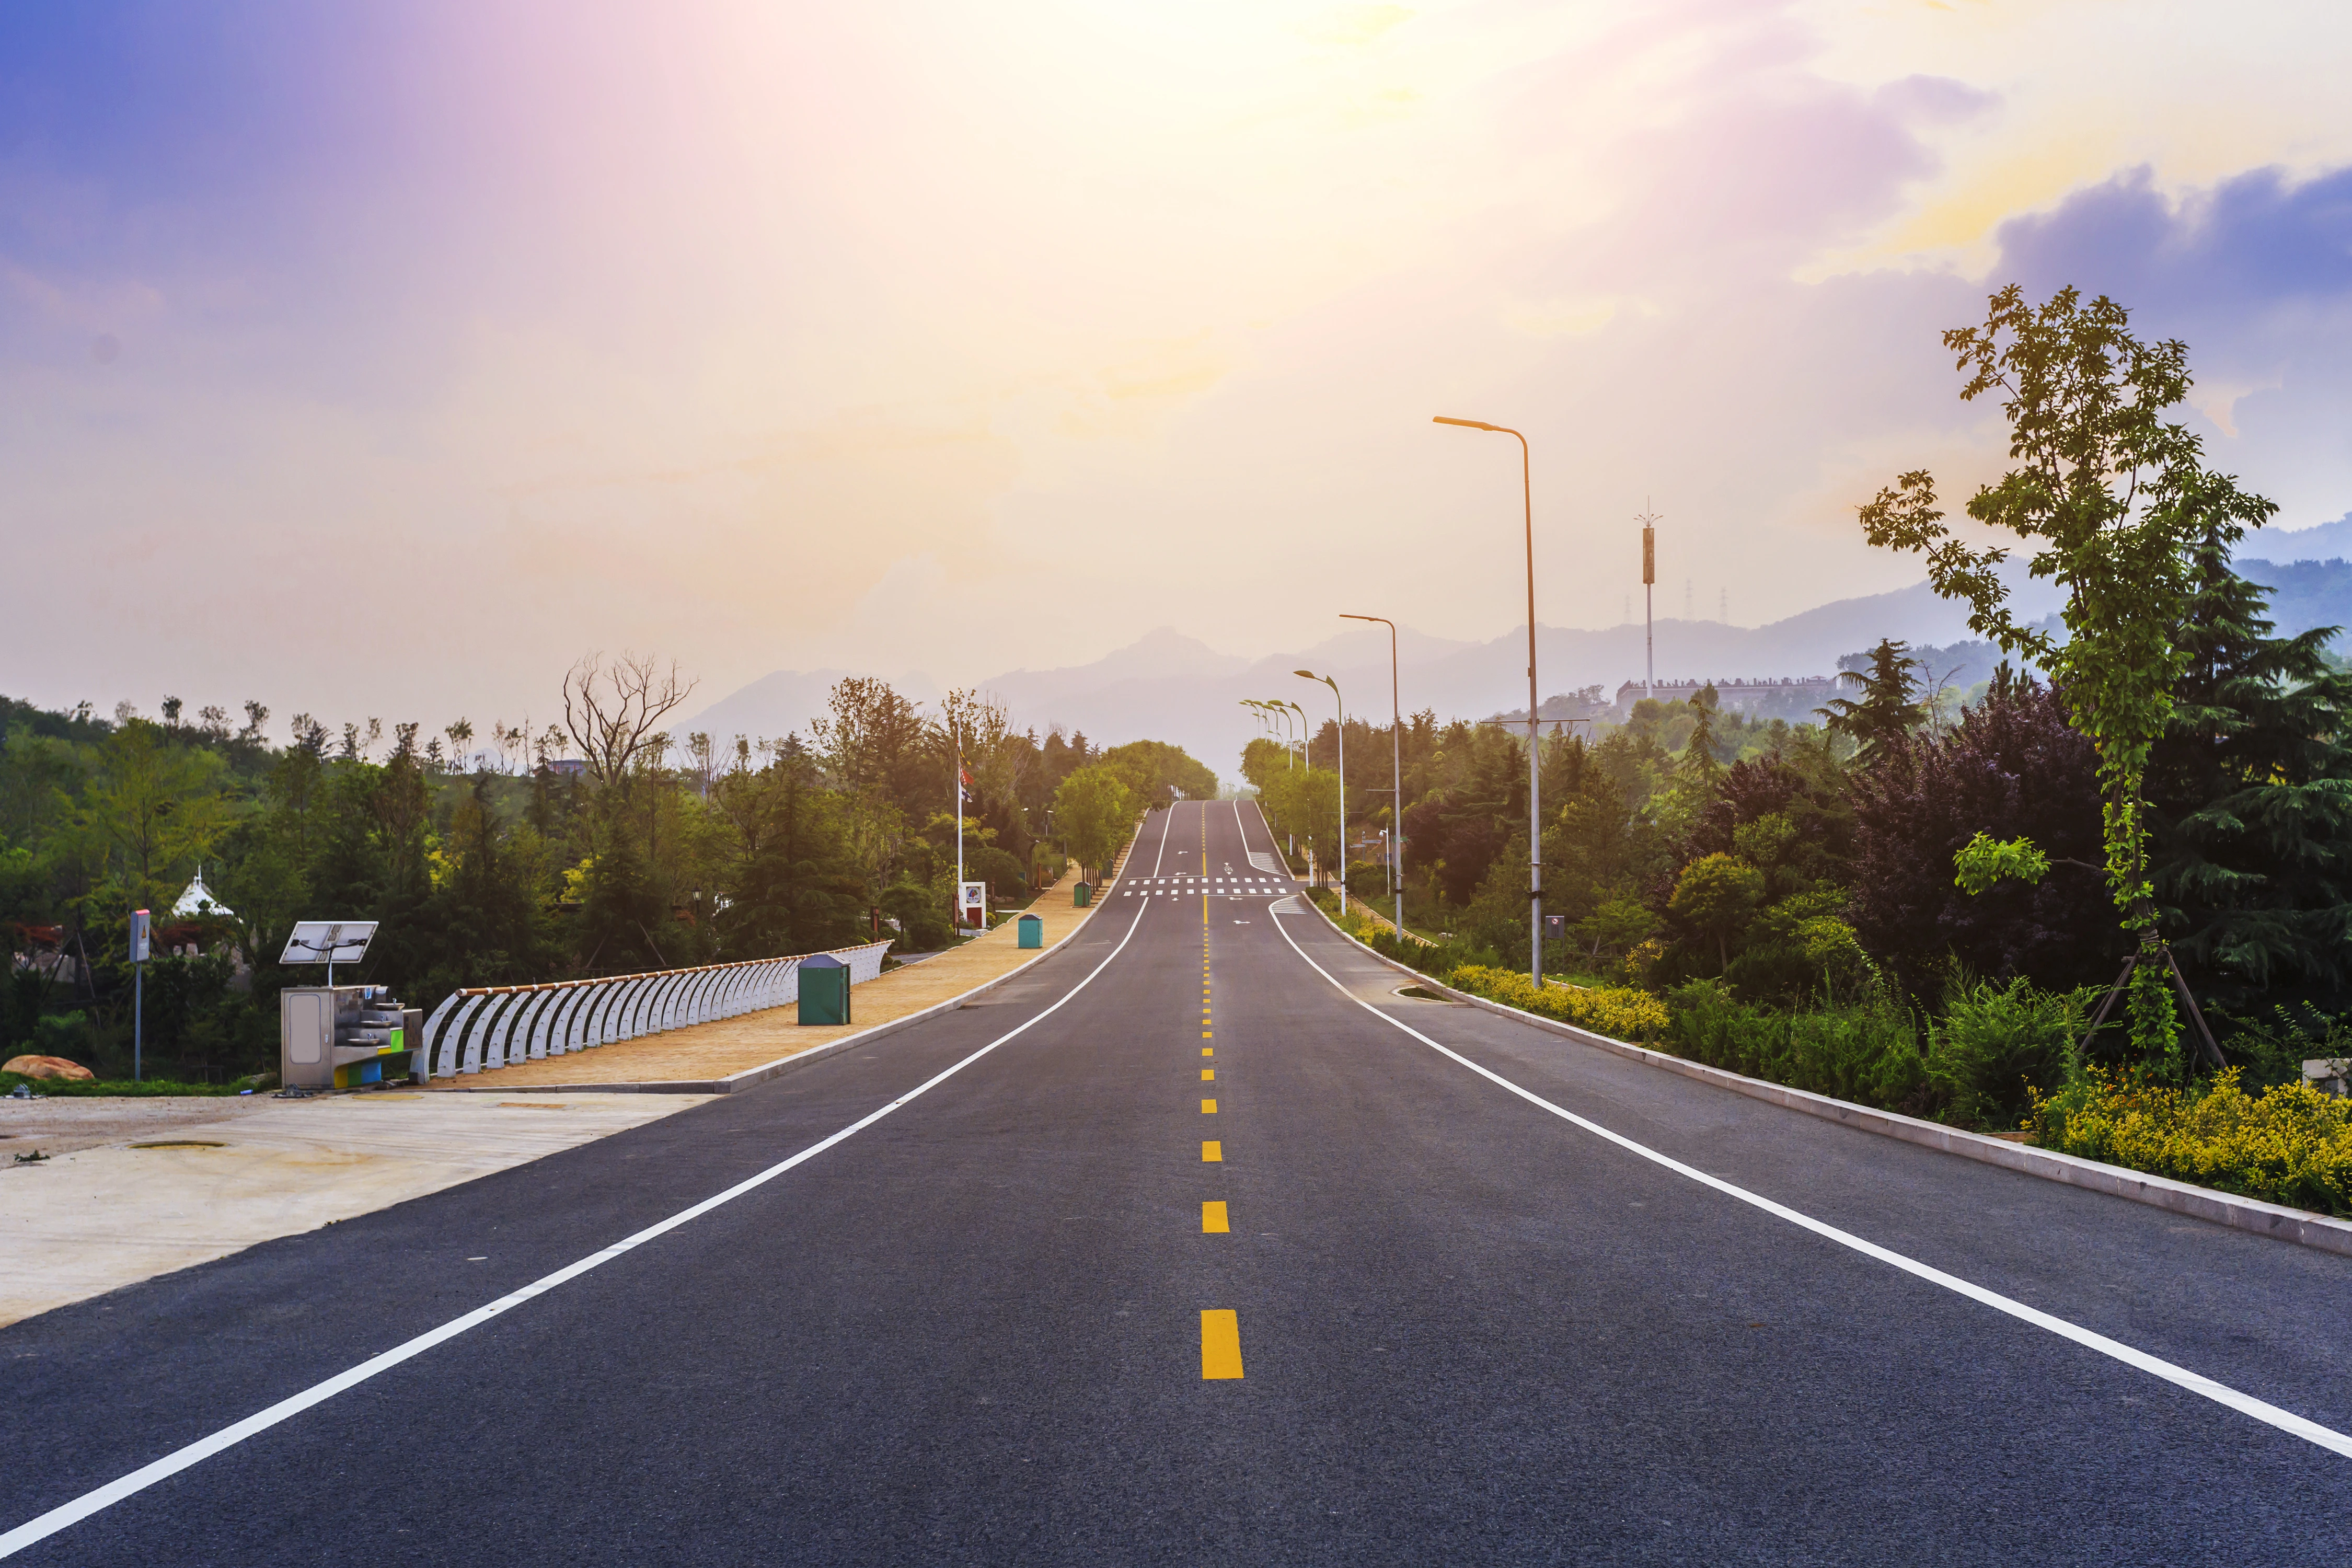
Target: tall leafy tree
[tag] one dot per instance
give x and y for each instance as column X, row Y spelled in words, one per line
column 2112, row 495
column 154, row 807
column 1093, row 810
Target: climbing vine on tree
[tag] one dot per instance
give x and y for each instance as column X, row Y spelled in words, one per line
column 2110, row 495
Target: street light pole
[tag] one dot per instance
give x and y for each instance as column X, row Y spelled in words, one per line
column 1341, row 704
column 1396, row 772
column 1535, row 733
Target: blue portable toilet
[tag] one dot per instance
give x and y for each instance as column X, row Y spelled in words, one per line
column 1033, row 930
column 825, row 990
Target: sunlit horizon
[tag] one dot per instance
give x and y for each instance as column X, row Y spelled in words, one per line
column 928, row 339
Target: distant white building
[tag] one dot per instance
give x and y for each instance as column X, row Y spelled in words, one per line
column 1794, row 698
column 198, row 904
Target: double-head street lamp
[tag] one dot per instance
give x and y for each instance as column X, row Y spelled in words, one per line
column 1292, row 716
column 1535, row 734
column 1342, row 706
column 1396, row 772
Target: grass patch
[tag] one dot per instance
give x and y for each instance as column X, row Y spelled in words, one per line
column 102, row 1089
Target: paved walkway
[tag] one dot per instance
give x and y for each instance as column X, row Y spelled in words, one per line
column 83, row 1222
column 708, row 1052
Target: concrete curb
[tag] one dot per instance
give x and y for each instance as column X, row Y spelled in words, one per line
column 2273, row 1220
column 750, row 1076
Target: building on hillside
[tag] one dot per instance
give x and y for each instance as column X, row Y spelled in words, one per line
column 1559, row 711
column 1795, row 699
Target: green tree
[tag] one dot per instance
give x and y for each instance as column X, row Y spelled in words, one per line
column 1262, row 758
column 799, row 889
column 153, row 808
column 2111, row 496
column 1306, row 802
column 1150, row 769
column 1093, row 810
column 1715, row 897
column 1885, row 712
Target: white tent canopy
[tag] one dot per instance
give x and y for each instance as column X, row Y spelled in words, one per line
column 198, row 901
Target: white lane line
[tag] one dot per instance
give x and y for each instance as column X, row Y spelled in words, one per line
column 2156, row 1366
column 195, row 1452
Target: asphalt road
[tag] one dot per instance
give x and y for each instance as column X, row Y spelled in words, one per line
column 990, row 1326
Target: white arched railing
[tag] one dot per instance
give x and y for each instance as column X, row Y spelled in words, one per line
column 483, row 1028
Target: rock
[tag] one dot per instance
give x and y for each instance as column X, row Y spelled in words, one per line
column 46, row 1066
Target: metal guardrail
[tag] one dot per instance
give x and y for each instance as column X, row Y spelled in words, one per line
column 486, row 1027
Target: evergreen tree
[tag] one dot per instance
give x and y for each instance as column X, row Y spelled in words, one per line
column 2251, row 801
column 799, row 891
column 1886, row 711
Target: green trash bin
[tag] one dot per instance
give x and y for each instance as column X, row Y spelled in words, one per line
column 1082, row 895
column 825, row 990
column 1033, row 930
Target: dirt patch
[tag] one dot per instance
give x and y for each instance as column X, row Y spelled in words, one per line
column 59, row 1125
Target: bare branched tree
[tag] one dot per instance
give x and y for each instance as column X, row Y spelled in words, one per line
column 614, row 710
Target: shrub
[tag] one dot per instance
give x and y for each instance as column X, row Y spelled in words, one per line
column 1866, row 1050
column 1615, row 1011
column 2289, row 1144
column 2273, row 1050
column 1997, row 1044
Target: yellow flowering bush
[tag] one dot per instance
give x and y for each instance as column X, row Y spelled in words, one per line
column 2289, row 1144
column 1617, row 1011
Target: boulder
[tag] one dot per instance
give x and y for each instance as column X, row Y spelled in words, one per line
column 46, row 1066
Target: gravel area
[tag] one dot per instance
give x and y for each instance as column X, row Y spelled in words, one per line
column 61, row 1124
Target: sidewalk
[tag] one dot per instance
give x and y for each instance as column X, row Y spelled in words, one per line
column 702, row 1058
column 80, row 1224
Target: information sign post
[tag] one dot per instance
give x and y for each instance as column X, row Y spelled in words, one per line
column 138, row 929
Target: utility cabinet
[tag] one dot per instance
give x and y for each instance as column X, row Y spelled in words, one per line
column 341, row 1036
column 823, row 990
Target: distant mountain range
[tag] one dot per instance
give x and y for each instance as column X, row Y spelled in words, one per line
column 1169, row 687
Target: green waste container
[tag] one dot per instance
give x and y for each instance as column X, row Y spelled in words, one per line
column 1033, row 930
column 1082, row 895
column 825, row 990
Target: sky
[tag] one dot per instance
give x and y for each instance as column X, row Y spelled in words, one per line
column 382, row 359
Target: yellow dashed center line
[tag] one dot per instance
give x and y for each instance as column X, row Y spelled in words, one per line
column 1220, row 1344
column 1221, row 1330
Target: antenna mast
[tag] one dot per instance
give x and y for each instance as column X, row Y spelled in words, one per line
column 1649, row 521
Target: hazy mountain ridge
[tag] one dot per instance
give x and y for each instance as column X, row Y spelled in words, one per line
column 1167, row 686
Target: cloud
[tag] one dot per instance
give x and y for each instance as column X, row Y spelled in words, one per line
column 2254, row 273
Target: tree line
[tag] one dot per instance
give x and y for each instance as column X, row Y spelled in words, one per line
column 2158, row 778
column 600, row 846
